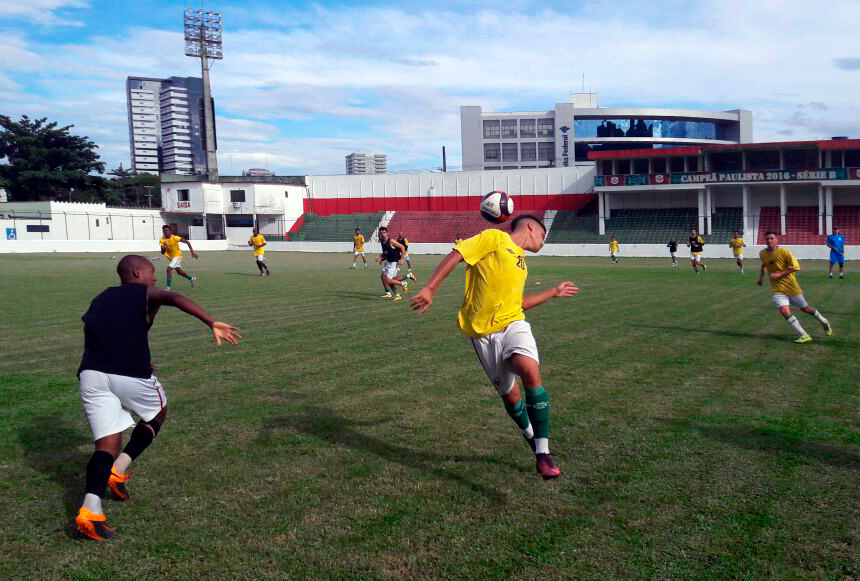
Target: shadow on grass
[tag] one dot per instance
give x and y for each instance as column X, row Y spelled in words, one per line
column 52, row 445
column 769, row 440
column 325, row 425
column 366, row 296
column 781, row 338
column 257, row 274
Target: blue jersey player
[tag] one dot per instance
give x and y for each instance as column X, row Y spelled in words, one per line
column 836, row 244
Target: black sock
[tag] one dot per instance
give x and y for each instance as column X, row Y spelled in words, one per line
column 98, row 472
column 141, row 437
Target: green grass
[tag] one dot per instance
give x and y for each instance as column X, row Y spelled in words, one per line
column 348, row 438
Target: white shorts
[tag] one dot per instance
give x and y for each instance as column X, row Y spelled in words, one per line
column 175, row 262
column 739, row 256
column 696, row 257
column 260, row 258
column 784, row 300
column 358, row 253
column 390, row 269
column 109, row 398
column 612, row 254
column 495, row 349
column 671, row 254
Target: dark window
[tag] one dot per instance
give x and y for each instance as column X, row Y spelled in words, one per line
column 97, row 222
column 527, row 128
column 835, row 158
column 491, row 129
column 197, row 221
column 183, row 195
column 234, row 220
column 509, row 152
column 761, row 160
column 528, row 151
column 38, row 228
column 509, row 128
column 605, row 167
column 676, row 164
column 729, row 161
column 546, row 151
column 852, row 158
column 492, row 167
column 693, row 163
column 492, row 152
column 640, row 166
column 622, row 167
column 545, row 127
column 286, row 194
column 237, row 195
column 659, row 165
column 799, row 159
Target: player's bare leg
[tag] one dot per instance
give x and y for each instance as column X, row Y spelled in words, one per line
column 537, row 407
column 740, row 263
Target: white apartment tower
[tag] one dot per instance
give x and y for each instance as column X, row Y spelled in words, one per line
column 175, row 131
column 165, row 125
column 366, row 163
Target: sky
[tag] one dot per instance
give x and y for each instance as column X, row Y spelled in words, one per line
column 304, row 83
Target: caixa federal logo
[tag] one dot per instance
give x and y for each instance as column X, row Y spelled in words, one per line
column 565, row 145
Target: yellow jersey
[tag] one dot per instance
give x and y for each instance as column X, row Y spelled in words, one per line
column 358, row 243
column 613, row 245
column 737, row 245
column 172, row 246
column 777, row 261
column 258, row 242
column 495, row 278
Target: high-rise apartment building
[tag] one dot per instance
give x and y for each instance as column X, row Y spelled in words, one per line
column 366, row 163
column 165, row 125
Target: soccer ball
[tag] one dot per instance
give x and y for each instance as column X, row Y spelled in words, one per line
column 497, row 207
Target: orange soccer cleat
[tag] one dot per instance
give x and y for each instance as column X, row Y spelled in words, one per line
column 93, row 526
column 116, row 484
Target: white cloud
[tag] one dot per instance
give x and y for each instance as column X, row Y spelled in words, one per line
column 42, row 12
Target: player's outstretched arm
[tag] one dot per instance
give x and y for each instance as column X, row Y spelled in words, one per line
column 220, row 331
column 563, row 289
column 422, row 301
column 193, row 254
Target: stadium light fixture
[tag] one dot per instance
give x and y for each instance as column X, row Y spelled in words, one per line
column 203, row 40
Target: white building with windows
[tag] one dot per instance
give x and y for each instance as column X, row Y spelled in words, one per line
column 165, row 125
column 567, row 133
column 366, row 163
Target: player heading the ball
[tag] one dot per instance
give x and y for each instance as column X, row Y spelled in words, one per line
column 493, row 317
column 116, row 379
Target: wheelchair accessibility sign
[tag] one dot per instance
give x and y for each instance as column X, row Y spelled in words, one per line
column 11, row 234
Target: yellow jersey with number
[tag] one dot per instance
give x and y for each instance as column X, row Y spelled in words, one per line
column 171, row 244
column 737, row 245
column 258, row 242
column 358, row 243
column 495, row 278
column 777, row 261
column 613, row 246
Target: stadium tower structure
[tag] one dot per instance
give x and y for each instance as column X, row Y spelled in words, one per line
column 566, row 134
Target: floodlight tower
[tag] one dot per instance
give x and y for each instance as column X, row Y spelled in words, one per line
column 203, row 40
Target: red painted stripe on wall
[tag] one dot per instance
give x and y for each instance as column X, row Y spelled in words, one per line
column 328, row 206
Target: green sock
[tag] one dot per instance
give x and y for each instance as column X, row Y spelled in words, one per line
column 188, row 275
column 537, row 405
column 169, row 282
column 518, row 413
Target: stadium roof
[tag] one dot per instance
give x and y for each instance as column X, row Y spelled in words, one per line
column 822, row 144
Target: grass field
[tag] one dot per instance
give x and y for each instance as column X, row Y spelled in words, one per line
column 347, row 437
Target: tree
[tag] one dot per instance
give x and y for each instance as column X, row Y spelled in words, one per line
column 44, row 160
column 130, row 189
